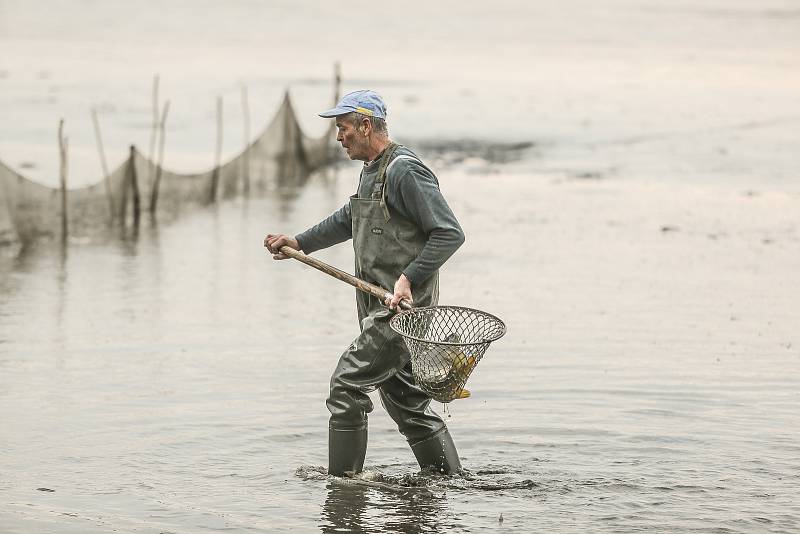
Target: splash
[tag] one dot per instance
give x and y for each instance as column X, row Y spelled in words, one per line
column 427, row 481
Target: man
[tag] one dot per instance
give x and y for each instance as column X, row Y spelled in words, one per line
column 402, row 231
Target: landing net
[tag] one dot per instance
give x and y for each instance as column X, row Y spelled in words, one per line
column 446, row 343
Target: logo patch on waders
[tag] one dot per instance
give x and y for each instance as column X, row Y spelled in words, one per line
column 377, row 231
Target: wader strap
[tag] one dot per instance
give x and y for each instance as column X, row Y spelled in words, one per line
column 381, row 178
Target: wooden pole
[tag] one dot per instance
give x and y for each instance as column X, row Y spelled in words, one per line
column 337, row 82
column 337, row 90
column 137, row 206
column 103, row 163
column 153, row 132
column 63, row 145
column 366, row 287
column 160, row 162
column 217, row 154
column 246, row 153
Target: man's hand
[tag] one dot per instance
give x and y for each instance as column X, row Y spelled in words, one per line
column 402, row 291
column 274, row 242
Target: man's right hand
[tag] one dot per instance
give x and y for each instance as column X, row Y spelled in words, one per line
column 274, row 242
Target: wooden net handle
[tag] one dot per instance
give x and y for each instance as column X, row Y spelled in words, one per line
column 366, row 287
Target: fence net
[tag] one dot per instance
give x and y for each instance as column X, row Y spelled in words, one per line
column 281, row 157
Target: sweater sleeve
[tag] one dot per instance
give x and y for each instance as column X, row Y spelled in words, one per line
column 334, row 229
column 417, row 196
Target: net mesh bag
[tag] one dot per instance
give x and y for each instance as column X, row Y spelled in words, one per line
column 446, row 343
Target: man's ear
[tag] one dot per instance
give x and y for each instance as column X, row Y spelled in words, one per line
column 366, row 126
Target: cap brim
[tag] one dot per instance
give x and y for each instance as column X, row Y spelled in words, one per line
column 335, row 112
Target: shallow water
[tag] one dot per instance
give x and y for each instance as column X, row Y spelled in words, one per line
column 649, row 378
column 642, row 249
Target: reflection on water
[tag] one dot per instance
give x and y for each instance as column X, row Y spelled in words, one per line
column 361, row 509
column 345, row 509
column 409, row 503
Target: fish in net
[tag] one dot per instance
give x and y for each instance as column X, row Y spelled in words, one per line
column 446, row 343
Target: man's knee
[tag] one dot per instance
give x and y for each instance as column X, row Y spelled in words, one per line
column 348, row 407
column 410, row 409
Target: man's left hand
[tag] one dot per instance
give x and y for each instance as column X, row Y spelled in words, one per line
column 402, row 291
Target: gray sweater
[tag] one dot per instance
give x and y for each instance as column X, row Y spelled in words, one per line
column 412, row 192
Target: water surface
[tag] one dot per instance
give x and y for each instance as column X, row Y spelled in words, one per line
column 649, row 378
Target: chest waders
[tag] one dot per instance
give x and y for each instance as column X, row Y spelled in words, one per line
column 384, row 244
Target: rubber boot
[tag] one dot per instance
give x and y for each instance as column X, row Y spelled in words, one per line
column 346, row 451
column 437, row 451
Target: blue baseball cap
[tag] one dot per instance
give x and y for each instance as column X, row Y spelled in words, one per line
column 365, row 102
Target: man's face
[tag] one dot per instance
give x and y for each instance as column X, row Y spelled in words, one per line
column 352, row 139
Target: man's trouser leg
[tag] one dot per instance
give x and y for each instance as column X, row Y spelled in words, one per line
column 425, row 431
column 369, row 361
